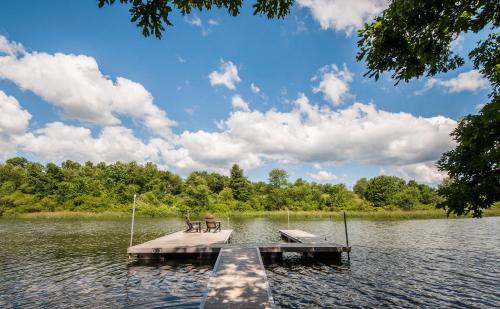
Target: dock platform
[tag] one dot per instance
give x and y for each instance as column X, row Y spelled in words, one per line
column 238, row 278
column 182, row 243
column 238, row 281
column 313, row 245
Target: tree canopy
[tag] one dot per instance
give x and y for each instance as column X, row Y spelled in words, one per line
column 153, row 15
column 32, row 187
column 412, row 39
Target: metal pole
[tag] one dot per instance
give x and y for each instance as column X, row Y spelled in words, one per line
column 133, row 217
column 288, row 215
column 346, row 237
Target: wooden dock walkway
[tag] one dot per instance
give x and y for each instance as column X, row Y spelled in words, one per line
column 238, row 281
column 182, row 243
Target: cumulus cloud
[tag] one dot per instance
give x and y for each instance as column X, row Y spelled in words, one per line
column 333, row 83
column 343, row 15
column 10, row 48
column 75, row 84
column 239, row 104
column 226, row 76
column 312, row 134
column 323, row 176
column 14, row 121
column 58, row 141
column 468, row 81
column 423, row 172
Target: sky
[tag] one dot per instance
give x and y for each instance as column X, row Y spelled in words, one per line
column 82, row 83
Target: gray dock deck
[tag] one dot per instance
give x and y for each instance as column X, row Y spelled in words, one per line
column 308, row 240
column 238, row 281
column 183, row 243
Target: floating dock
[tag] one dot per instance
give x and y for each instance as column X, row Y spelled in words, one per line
column 181, row 244
column 313, row 245
column 238, row 281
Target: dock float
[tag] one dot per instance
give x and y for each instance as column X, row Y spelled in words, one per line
column 238, row 281
column 181, row 244
column 313, row 245
column 238, row 278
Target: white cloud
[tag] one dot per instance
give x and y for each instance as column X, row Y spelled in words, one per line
column 13, row 123
column 323, row 176
column 227, row 75
column 333, row 83
column 239, row 104
column 468, row 81
column 309, row 133
column 205, row 28
column 343, row 15
column 180, row 59
column 10, row 48
column 194, row 20
column 254, row 88
column 426, row 172
column 58, row 141
column 75, row 84
column 458, row 43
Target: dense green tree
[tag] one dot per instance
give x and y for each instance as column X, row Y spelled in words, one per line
column 413, row 38
column 153, row 15
column 17, row 161
column 407, row 197
column 360, row 187
column 474, row 165
column 239, row 184
column 382, row 189
column 278, row 177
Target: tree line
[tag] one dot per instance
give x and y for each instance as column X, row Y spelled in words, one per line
column 32, row 187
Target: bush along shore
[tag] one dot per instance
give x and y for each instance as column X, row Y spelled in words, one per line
column 30, row 189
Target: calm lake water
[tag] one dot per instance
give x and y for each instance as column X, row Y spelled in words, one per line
column 421, row 263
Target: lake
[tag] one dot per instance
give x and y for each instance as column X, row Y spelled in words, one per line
column 419, row 263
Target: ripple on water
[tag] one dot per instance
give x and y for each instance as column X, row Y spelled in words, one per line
column 411, row 264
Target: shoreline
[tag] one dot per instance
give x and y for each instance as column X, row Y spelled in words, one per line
column 281, row 214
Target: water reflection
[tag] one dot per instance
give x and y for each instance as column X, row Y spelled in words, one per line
column 423, row 263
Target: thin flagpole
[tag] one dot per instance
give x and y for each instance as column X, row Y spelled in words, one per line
column 133, row 218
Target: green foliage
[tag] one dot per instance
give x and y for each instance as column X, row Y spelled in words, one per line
column 29, row 187
column 278, row 177
column 407, row 198
column 239, row 184
column 360, row 187
column 153, row 15
column 413, row 38
column 474, row 165
column 382, row 189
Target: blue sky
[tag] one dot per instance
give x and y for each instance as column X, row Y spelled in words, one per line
column 78, row 82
